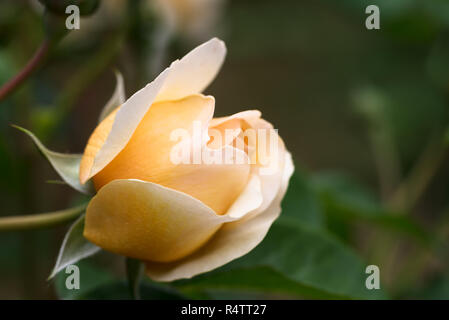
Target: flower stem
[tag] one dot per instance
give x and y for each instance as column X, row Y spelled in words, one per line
column 29, row 68
column 41, row 220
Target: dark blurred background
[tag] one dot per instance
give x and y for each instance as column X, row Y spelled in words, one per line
column 364, row 113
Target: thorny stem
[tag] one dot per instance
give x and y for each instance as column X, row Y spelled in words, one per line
column 29, row 68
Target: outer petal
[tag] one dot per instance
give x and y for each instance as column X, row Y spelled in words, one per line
column 147, row 221
column 147, row 154
column 232, row 241
column 126, row 120
column 272, row 182
column 187, row 76
column 249, row 200
column 193, row 73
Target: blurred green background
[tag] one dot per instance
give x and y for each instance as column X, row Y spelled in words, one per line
column 364, row 113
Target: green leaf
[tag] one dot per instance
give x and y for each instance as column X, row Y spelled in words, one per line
column 66, row 165
column 295, row 260
column 436, row 289
column 74, row 247
column 134, row 272
column 437, row 63
column 301, row 204
column 346, row 199
column 98, row 283
column 259, row 279
column 91, row 278
column 118, row 290
column 117, row 98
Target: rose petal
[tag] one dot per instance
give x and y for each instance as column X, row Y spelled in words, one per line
column 194, row 72
column 216, row 185
column 94, row 144
column 250, row 199
column 184, row 77
column 247, row 115
column 147, row 221
column 125, row 121
column 268, row 164
column 224, row 133
column 270, row 181
column 147, row 156
column 232, row 241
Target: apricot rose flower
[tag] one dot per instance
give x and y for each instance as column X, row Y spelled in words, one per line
column 181, row 219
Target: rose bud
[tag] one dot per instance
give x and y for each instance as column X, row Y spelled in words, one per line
column 213, row 204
